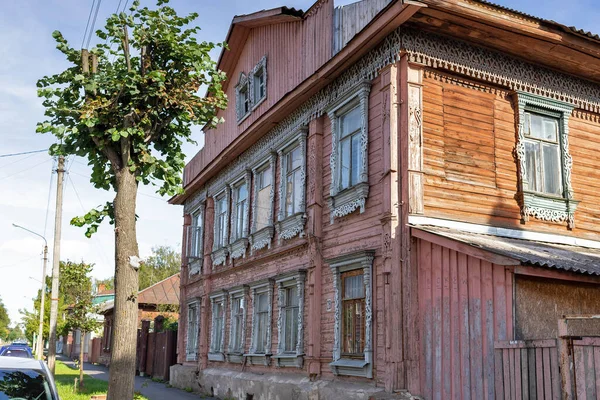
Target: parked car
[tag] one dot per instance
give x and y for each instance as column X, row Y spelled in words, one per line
column 26, row 379
column 16, row 351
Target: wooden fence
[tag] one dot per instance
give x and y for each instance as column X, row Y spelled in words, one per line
column 156, row 351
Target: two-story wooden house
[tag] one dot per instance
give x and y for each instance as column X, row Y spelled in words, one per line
column 402, row 198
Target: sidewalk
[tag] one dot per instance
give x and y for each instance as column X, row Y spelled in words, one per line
column 152, row 390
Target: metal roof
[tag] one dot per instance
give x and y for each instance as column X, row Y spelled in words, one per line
column 578, row 259
column 571, row 29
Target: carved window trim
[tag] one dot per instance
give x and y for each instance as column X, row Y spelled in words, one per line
column 535, row 204
column 349, row 262
column 220, row 251
column 295, row 358
column 343, row 202
column 262, row 238
column 293, row 225
column 236, row 355
column 260, row 66
column 191, row 349
column 238, row 245
column 253, row 357
column 195, row 261
column 217, row 350
column 243, row 87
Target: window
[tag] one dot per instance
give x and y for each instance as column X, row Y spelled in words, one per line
column 241, row 209
column 217, row 334
column 262, row 321
column 349, row 151
column 293, row 182
column 259, row 82
column 195, row 243
column 350, row 143
column 292, row 195
column 263, row 204
column 238, row 310
column 191, row 348
column 243, row 98
column 263, row 184
column 353, row 313
column 542, row 154
column 260, row 348
column 221, row 227
column 352, row 346
column 260, row 88
column 544, row 161
column 221, row 212
column 290, row 320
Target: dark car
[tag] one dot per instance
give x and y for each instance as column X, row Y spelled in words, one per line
column 26, row 379
column 16, row 351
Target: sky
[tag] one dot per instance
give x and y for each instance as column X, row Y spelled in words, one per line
column 27, row 184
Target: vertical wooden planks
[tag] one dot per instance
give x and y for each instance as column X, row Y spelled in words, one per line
column 437, row 339
column 487, row 330
column 446, row 320
column 597, row 369
column 426, row 303
column 465, row 355
column 475, row 333
column 455, row 325
column 524, row 374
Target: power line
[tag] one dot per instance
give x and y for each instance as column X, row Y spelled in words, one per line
column 93, row 24
column 19, row 160
column 88, row 23
column 49, row 196
column 25, row 170
column 22, row 153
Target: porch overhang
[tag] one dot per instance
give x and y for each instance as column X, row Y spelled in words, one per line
column 516, row 252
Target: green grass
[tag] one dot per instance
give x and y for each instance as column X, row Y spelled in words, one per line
column 65, row 378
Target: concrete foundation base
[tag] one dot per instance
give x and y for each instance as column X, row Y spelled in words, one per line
column 227, row 384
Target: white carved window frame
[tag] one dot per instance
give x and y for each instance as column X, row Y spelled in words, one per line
column 295, row 358
column 539, row 205
column 343, row 202
column 262, row 238
column 216, row 351
column 293, row 225
column 191, row 348
column 238, row 245
column 195, row 261
column 220, row 251
column 242, row 85
column 236, row 355
column 260, row 66
column 362, row 260
column 253, row 357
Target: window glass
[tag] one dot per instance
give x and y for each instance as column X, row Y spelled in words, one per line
column 259, row 85
column 241, row 208
column 218, row 326
column 542, row 154
column 353, row 313
column 552, row 169
column 262, row 315
column 192, row 333
column 221, row 239
column 346, row 161
column 350, row 122
column 196, row 234
column 290, row 314
column 23, row 384
column 238, row 316
column 293, row 182
column 355, row 176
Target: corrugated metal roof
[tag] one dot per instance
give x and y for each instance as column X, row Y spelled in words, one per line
column 571, row 29
column 578, row 259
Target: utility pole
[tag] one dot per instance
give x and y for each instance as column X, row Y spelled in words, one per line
column 39, row 353
column 56, row 264
column 39, row 346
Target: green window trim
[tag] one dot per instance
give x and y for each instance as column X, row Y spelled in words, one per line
column 540, row 205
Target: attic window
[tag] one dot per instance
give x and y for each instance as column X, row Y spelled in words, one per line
column 259, row 82
column 243, row 100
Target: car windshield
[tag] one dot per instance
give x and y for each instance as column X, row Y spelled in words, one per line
column 24, row 384
column 16, row 353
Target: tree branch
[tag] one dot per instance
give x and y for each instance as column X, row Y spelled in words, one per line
column 156, row 130
column 125, row 42
column 110, row 153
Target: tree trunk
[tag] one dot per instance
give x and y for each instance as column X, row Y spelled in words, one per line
column 81, row 345
column 122, row 363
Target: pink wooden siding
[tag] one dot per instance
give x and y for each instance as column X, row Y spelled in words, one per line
column 465, row 305
column 294, row 50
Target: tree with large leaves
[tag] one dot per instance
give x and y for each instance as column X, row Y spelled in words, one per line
column 127, row 106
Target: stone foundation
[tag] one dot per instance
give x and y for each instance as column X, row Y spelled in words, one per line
column 227, row 384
